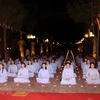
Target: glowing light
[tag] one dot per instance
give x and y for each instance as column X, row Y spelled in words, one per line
column 31, row 36
column 91, row 34
column 86, row 35
column 47, row 40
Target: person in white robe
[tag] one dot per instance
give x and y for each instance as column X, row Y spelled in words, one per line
column 8, row 63
column 3, row 74
column 36, row 65
column 40, row 62
column 49, row 68
column 54, row 65
column 83, row 63
column 4, row 63
column 86, row 68
column 71, row 66
column 12, row 70
column 98, row 66
column 43, row 75
column 31, row 68
column 23, row 75
column 92, row 75
column 68, row 76
column 18, row 64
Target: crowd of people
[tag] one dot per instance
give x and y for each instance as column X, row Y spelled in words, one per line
column 45, row 66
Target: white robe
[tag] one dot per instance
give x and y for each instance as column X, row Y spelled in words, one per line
column 50, row 69
column 43, row 76
column 85, row 69
column 72, row 67
column 12, row 70
column 18, row 66
column 92, row 73
column 37, row 67
column 3, row 76
column 68, row 73
column 82, row 65
column 54, row 66
column 31, row 70
column 23, row 76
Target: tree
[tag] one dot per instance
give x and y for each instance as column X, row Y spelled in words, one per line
column 12, row 14
column 85, row 11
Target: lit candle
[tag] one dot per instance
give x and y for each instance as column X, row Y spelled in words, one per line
column 5, row 84
column 17, row 84
column 81, row 85
column 42, row 85
column 29, row 84
column 54, row 85
column 95, row 86
column 56, row 78
column 69, row 85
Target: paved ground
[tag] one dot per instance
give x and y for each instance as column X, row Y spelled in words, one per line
column 54, row 86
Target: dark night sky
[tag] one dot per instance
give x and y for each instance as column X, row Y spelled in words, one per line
column 56, row 22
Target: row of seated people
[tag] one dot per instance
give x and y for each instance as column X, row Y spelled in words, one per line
column 89, row 72
column 25, row 72
column 68, row 74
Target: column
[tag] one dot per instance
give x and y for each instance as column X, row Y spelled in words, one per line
column 41, row 48
column 47, row 47
column 51, row 46
column 32, row 48
column 94, row 47
column 21, row 47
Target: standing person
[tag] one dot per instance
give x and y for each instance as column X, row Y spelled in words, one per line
column 3, row 74
column 92, row 75
column 23, row 74
column 68, row 75
column 43, row 75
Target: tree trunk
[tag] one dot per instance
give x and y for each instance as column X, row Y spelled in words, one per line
column 5, row 45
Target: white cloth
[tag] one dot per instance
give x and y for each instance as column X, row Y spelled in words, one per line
column 37, row 67
column 50, row 69
column 43, row 76
column 31, row 70
column 12, row 70
column 68, row 73
column 54, row 66
column 92, row 73
column 85, row 69
column 3, row 76
column 82, row 65
column 98, row 66
column 23, row 76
